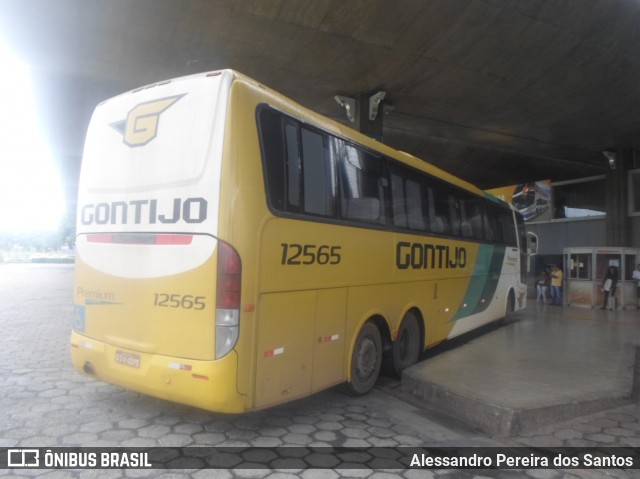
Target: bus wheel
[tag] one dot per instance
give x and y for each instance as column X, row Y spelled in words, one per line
column 366, row 360
column 511, row 305
column 406, row 348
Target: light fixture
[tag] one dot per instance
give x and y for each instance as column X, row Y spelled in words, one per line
column 349, row 104
column 611, row 158
column 374, row 103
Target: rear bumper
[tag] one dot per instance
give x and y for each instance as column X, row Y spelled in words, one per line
column 209, row 385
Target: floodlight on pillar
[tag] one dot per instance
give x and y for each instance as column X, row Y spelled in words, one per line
column 349, row 104
column 611, row 158
column 374, row 103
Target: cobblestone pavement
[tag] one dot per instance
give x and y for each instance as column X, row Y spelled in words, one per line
column 44, row 403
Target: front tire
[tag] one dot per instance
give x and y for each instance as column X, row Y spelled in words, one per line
column 511, row 305
column 365, row 360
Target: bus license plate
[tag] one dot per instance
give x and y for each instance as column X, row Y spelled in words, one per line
column 128, row 359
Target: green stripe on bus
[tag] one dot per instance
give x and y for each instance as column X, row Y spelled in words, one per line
column 484, row 281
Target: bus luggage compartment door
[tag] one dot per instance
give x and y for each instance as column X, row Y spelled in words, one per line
column 300, row 344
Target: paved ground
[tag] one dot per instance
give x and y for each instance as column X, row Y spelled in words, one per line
column 44, row 403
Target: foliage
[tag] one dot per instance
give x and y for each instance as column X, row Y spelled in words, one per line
column 41, row 241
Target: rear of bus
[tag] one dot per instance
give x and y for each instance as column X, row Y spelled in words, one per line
column 157, row 289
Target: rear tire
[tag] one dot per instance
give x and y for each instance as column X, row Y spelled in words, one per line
column 365, row 360
column 406, row 348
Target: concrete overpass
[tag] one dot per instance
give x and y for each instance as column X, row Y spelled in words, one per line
column 497, row 91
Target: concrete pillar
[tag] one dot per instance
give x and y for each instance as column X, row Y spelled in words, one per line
column 363, row 123
column 618, row 226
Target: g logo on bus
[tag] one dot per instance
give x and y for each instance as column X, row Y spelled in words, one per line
column 141, row 125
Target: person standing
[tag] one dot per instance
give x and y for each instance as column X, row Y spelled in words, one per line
column 636, row 276
column 556, row 285
column 541, row 286
column 609, row 287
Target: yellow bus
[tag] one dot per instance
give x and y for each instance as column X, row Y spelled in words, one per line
column 236, row 250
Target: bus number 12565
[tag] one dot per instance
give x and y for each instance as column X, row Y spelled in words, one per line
column 298, row 254
column 179, row 301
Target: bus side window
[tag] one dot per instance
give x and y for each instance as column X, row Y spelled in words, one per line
column 438, row 211
column 293, row 166
column 299, row 166
column 274, row 156
column 414, row 203
column 364, row 186
column 407, row 199
column 472, row 210
column 494, row 215
column 318, row 171
column 508, row 228
column 466, row 217
column 454, row 213
column 445, row 212
column 490, row 227
column 398, row 200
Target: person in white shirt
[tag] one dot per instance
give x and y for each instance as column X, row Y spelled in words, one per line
column 609, row 288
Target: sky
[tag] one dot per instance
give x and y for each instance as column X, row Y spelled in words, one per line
column 31, row 197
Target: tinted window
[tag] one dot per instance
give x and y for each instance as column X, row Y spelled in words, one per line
column 471, row 225
column 364, row 185
column 415, row 205
column 398, row 202
column 443, row 217
column 508, row 228
column 319, row 185
column 312, row 173
column 292, row 159
column 491, row 230
column 275, row 157
column 408, row 199
column 299, row 166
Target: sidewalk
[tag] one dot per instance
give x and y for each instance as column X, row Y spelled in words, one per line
column 547, row 364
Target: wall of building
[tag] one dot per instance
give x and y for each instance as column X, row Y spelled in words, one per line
column 555, row 235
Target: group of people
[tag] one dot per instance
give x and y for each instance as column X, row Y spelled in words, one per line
column 551, row 277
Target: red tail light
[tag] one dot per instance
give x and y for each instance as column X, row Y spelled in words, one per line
column 227, row 299
column 229, row 276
